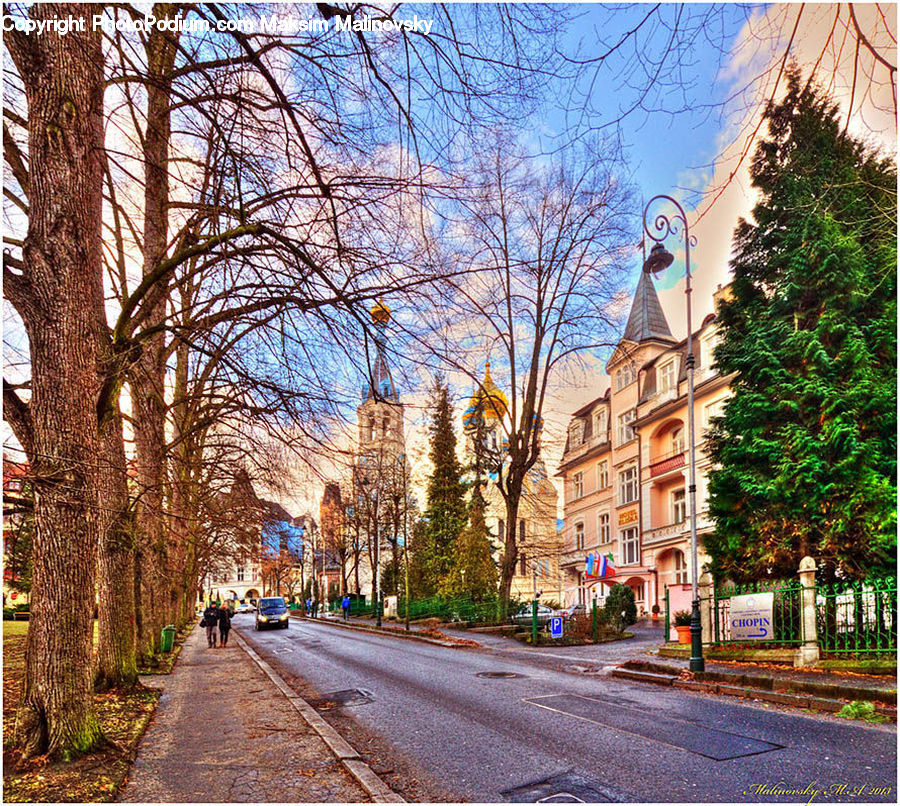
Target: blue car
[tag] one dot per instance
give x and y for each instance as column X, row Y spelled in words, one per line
column 271, row 612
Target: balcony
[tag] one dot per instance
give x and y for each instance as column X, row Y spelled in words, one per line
column 666, row 463
column 665, row 533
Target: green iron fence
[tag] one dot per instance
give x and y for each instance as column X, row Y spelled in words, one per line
column 787, row 627
column 857, row 618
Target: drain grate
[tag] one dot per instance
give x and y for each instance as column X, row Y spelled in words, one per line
column 567, row 787
column 342, row 699
column 498, row 675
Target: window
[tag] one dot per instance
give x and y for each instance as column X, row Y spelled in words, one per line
column 385, row 426
column 602, row 475
column 625, row 431
column 600, row 425
column 240, row 573
column 370, row 429
column 521, row 532
column 628, row 485
column 603, row 528
column 501, row 531
column 707, row 350
column 667, row 376
column 680, row 568
column 677, row 441
column 579, row 535
column 523, row 566
column 713, row 410
column 625, row 375
column 576, row 433
column 578, row 486
column 630, row 546
column 679, row 512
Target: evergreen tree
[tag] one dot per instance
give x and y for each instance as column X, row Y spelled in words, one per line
column 445, row 512
column 806, row 448
column 473, row 572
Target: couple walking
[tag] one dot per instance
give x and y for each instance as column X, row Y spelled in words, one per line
column 217, row 621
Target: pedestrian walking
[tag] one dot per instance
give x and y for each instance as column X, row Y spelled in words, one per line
column 224, row 625
column 315, row 608
column 345, row 606
column 211, row 622
column 309, row 608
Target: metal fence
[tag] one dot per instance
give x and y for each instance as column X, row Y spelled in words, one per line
column 857, row 618
column 787, row 626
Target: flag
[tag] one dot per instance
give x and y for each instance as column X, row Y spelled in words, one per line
column 609, row 566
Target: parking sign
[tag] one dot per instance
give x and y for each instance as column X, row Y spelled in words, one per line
column 556, row 627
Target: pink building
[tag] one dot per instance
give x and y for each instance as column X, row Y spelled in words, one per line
column 625, row 464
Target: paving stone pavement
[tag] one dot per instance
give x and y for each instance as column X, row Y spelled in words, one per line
column 223, row 733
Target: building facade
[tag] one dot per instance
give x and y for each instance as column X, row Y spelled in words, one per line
column 626, row 462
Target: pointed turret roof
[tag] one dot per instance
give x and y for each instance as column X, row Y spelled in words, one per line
column 381, row 383
column 646, row 320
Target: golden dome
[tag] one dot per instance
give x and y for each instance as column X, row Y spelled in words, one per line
column 488, row 400
column 380, row 313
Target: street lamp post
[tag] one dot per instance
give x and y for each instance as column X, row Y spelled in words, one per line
column 658, row 260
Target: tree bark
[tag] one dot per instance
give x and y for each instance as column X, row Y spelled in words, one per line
column 116, row 655
column 157, row 592
column 64, row 82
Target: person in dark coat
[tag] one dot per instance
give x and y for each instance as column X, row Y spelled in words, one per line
column 211, row 621
column 345, row 606
column 224, row 625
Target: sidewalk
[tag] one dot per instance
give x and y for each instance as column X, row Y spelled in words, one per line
column 223, row 732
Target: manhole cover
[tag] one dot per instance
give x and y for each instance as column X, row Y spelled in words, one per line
column 342, row 699
column 493, row 675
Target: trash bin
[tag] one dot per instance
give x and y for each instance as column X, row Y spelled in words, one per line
column 168, row 638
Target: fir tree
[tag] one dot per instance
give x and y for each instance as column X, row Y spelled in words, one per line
column 445, row 512
column 473, row 572
column 806, row 449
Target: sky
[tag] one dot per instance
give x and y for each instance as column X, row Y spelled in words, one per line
column 681, row 139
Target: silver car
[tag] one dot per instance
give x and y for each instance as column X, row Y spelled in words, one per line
column 523, row 617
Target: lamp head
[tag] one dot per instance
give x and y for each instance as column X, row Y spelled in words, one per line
column 658, row 260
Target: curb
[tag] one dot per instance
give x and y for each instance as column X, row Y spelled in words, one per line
column 795, row 700
column 377, row 789
column 411, row 636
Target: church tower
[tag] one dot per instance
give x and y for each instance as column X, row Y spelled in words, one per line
column 485, row 412
column 380, row 415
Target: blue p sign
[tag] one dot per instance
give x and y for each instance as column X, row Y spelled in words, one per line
column 556, row 629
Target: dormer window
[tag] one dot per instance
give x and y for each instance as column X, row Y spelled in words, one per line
column 600, row 424
column 667, row 376
column 576, row 433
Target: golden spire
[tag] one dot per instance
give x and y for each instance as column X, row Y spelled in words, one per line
column 487, row 400
column 380, row 313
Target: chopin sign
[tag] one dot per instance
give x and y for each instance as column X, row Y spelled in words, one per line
column 750, row 618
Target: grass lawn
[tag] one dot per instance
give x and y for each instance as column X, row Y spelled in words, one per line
column 96, row 777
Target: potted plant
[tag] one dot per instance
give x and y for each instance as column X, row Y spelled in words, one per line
column 655, row 611
column 682, row 621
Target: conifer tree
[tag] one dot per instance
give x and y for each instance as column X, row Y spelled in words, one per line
column 474, row 572
column 806, row 448
column 445, row 512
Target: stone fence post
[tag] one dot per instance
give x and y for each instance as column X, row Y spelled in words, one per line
column 705, row 592
column 808, row 654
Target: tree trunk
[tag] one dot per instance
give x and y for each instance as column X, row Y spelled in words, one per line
column 63, row 81
column 510, row 550
column 116, row 656
column 148, row 378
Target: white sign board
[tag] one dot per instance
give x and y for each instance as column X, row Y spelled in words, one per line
column 750, row 618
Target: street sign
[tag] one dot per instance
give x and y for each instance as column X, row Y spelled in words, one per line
column 750, row 618
column 556, row 628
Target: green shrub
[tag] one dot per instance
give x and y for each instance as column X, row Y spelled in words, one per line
column 682, row 618
column 620, row 611
column 863, row 710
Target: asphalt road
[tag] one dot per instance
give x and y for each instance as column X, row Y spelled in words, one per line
column 495, row 727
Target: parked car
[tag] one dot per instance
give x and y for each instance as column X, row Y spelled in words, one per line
column 572, row 611
column 271, row 612
column 523, row 617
